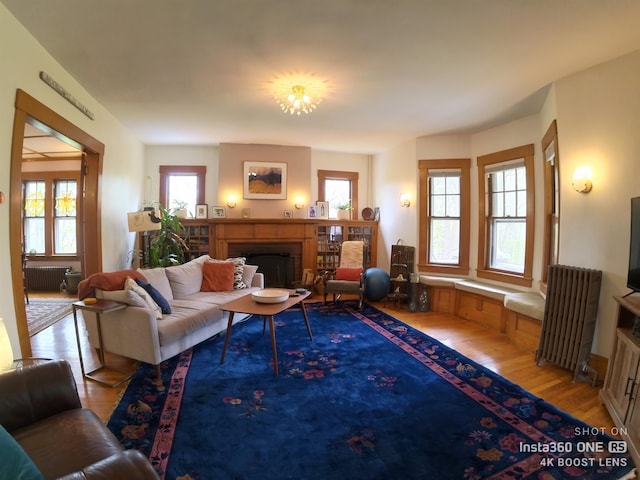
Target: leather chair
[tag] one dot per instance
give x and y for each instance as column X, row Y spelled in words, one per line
column 349, row 277
column 41, row 411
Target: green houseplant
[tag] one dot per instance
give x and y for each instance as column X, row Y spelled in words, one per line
column 344, row 210
column 167, row 246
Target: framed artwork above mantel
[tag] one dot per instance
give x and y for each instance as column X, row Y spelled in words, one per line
column 265, row 180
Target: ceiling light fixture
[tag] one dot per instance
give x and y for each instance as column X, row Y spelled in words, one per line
column 298, row 93
column 297, row 101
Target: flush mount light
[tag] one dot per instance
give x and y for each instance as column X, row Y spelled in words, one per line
column 298, row 93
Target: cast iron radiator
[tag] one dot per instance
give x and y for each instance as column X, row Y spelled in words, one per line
column 45, row 278
column 569, row 319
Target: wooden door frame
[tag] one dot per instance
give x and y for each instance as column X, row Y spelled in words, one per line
column 90, row 241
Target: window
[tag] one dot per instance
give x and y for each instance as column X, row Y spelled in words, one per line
column 182, row 186
column 444, row 216
column 505, row 240
column 50, row 226
column 551, row 201
column 64, row 217
column 338, row 188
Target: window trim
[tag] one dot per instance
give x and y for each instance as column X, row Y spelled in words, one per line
column 485, row 162
column 464, row 166
column 168, row 170
column 352, row 177
column 49, row 178
column 551, row 198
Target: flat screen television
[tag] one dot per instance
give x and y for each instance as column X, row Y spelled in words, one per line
column 633, row 275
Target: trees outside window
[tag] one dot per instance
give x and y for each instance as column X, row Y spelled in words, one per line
column 444, row 216
column 506, row 197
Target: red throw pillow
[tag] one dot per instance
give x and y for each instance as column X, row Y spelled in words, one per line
column 351, row 274
column 217, row 276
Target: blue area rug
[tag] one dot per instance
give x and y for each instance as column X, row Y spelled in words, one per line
column 369, row 398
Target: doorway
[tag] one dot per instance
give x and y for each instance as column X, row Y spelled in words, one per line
column 30, row 111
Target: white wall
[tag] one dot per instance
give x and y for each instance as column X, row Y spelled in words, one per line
column 158, row 155
column 351, row 162
column 123, row 160
column 395, row 173
column 598, row 120
column 598, row 113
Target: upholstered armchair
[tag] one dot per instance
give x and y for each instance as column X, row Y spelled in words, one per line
column 349, row 277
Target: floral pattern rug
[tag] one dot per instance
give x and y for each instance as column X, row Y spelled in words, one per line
column 369, row 398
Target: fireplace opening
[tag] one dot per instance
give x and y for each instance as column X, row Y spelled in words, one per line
column 278, row 268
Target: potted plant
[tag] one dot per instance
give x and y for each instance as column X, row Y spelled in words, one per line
column 344, row 210
column 167, row 246
column 180, row 210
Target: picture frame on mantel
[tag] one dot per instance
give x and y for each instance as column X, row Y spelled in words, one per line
column 218, row 212
column 265, row 180
column 201, row 210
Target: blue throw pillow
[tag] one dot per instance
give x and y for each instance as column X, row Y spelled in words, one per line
column 16, row 464
column 156, row 295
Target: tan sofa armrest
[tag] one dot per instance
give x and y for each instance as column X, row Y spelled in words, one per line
column 131, row 332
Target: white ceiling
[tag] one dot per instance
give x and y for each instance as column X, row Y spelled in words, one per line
column 197, row 71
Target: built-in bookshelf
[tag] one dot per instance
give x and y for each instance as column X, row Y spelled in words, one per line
column 319, row 239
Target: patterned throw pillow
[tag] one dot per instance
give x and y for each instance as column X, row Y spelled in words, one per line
column 239, row 263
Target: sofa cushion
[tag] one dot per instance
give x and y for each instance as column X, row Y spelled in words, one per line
column 217, row 276
column 123, row 296
column 130, row 284
column 185, row 279
column 158, row 278
column 187, row 316
column 156, row 295
column 16, row 464
column 248, row 272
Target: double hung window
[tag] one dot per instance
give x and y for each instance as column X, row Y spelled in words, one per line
column 505, row 240
column 444, row 216
column 50, row 210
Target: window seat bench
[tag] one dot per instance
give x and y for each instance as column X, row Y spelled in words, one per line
column 515, row 313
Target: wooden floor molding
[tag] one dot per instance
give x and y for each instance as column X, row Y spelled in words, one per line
column 484, row 346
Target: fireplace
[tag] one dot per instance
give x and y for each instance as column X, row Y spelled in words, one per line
column 281, row 263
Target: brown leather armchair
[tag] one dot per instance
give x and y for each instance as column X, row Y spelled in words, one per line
column 40, row 408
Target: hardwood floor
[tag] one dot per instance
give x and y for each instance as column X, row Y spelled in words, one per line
column 488, row 348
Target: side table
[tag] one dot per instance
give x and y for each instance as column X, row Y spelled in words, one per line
column 100, row 307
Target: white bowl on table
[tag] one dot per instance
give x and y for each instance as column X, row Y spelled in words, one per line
column 270, row 295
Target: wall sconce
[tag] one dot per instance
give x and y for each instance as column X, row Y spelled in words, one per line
column 299, row 203
column 231, row 201
column 405, row 200
column 581, row 181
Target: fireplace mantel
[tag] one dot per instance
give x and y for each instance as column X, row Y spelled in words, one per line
column 216, row 236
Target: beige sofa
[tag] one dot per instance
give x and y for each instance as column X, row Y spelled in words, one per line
column 143, row 333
